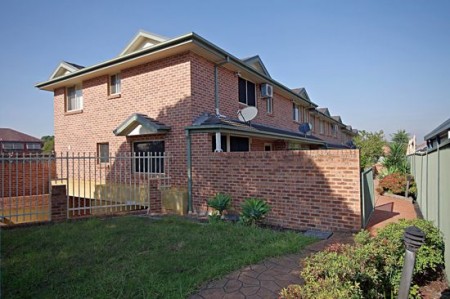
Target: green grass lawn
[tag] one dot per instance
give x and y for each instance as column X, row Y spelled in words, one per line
column 130, row 257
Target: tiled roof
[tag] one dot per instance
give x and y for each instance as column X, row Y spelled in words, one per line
column 11, row 135
column 77, row 66
column 206, row 120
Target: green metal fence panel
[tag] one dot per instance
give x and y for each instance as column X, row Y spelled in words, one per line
column 432, row 188
column 444, row 202
column 367, row 196
column 423, row 191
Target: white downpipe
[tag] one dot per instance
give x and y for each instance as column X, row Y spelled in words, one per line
column 218, row 142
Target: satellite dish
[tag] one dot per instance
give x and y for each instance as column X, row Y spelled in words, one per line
column 247, row 114
column 305, row 128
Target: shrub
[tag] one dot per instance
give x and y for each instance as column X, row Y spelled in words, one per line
column 254, row 211
column 372, row 267
column 394, row 183
column 220, row 202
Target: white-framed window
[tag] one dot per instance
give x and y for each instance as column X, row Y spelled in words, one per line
column 313, row 121
column 103, row 152
column 247, row 92
column 269, row 105
column 334, row 130
column 114, row 84
column 74, row 98
column 321, row 127
column 295, row 112
column 33, row 146
column 232, row 143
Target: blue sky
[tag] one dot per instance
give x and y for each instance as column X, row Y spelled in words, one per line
column 379, row 64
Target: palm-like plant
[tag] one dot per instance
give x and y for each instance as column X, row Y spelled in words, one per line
column 397, row 158
column 254, row 210
column 220, row 202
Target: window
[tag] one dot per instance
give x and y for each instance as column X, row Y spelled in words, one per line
column 33, row 146
column 247, row 92
column 239, row 144
column 334, row 130
column 103, row 152
column 269, row 105
column 74, row 99
column 267, row 147
column 295, row 112
column 13, row 146
column 149, row 157
column 114, row 84
column 232, row 143
column 313, row 120
column 321, row 127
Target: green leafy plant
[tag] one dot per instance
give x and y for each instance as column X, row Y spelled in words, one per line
column 220, row 202
column 372, row 267
column 394, row 183
column 397, row 157
column 254, row 211
column 370, row 145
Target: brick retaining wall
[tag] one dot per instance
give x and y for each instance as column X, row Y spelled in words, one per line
column 306, row 189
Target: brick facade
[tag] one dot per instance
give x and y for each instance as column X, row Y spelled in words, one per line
column 306, row 189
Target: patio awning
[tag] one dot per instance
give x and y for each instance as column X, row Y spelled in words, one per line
column 140, row 124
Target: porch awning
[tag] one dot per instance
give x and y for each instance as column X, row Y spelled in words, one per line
column 213, row 123
column 140, row 124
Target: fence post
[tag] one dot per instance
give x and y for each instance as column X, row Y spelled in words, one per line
column 58, row 203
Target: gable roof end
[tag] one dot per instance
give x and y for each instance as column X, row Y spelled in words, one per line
column 324, row 111
column 337, row 118
column 302, row 93
column 256, row 63
column 150, row 125
column 141, row 40
column 64, row 68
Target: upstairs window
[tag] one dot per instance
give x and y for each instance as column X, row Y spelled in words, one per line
column 334, row 130
column 321, row 128
column 247, row 92
column 114, row 84
column 295, row 112
column 74, row 100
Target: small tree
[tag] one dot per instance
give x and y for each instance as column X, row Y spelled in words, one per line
column 400, row 137
column 370, row 145
column 49, row 144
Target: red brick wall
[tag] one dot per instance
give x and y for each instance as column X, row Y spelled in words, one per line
column 306, row 189
column 24, row 178
column 160, row 89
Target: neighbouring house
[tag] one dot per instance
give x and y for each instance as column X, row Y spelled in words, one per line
column 181, row 95
column 15, row 142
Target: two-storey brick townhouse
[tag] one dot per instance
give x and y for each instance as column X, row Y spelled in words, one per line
column 182, row 95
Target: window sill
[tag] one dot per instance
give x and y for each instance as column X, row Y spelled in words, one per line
column 114, row 96
column 71, row 112
column 270, row 114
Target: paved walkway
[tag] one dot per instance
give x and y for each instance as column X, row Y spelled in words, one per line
column 390, row 209
column 266, row 279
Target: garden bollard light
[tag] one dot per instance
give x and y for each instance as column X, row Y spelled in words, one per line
column 413, row 238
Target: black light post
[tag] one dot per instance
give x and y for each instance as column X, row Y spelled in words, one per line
column 413, row 238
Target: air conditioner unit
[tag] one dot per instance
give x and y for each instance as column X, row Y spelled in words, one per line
column 266, row 90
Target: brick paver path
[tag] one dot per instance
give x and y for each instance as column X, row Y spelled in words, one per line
column 266, row 279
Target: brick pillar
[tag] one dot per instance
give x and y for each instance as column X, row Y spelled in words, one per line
column 59, row 203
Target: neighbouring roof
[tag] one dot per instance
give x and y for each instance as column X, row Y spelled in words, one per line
column 256, row 63
column 207, row 122
column 10, row 135
column 445, row 126
column 324, row 111
column 337, row 118
column 140, row 124
column 302, row 93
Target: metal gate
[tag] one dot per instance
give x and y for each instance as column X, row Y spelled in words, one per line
column 25, row 188
column 367, row 196
column 108, row 184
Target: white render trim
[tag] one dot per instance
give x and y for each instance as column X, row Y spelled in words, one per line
column 139, row 38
